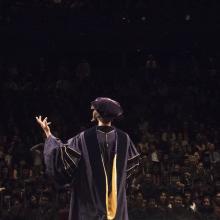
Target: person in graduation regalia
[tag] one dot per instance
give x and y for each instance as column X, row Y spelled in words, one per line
column 98, row 163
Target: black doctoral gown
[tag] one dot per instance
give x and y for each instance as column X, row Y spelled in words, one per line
column 81, row 162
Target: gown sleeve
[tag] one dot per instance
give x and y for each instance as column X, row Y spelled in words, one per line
column 133, row 159
column 61, row 160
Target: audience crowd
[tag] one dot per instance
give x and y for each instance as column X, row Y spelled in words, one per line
column 171, row 106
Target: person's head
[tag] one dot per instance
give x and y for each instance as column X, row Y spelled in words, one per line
column 152, row 203
column 187, row 176
column 44, row 199
column 139, row 198
column 176, row 168
column 163, row 197
column 33, row 201
column 178, row 200
column 144, row 159
column 105, row 110
column 173, row 179
column 200, row 166
column 186, row 160
column 211, row 146
column 144, row 150
column 25, row 172
column 17, row 203
column 148, row 178
column 176, row 147
column 206, row 204
column 171, row 199
column 144, row 204
column 217, row 198
column 197, row 156
column 187, row 196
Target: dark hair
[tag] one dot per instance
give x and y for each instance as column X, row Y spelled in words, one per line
column 98, row 116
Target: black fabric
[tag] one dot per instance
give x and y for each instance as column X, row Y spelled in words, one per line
column 96, row 161
column 66, row 161
column 105, row 128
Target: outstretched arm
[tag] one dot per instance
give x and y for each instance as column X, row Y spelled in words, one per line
column 61, row 160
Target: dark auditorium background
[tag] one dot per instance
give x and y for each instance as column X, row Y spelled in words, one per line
column 159, row 59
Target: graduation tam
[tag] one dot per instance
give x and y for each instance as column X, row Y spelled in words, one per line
column 107, row 108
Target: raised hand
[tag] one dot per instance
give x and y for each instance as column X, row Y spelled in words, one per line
column 44, row 125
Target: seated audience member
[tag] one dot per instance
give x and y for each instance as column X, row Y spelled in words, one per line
column 205, row 209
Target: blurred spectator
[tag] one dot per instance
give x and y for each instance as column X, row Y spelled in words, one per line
column 156, row 167
column 206, row 210
column 217, row 205
column 147, row 187
column 163, row 202
column 213, row 154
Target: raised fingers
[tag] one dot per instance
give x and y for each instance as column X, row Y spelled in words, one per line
column 42, row 122
column 45, row 120
column 39, row 120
